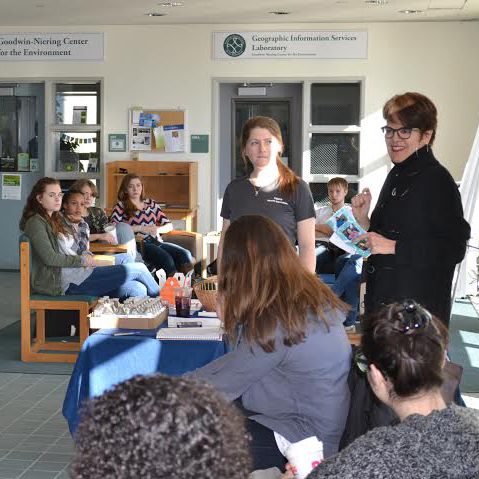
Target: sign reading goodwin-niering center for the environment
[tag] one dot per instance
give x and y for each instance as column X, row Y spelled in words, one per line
column 297, row 44
column 51, row 46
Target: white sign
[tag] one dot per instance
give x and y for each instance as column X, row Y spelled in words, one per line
column 52, row 46
column 11, row 186
column 296, row 45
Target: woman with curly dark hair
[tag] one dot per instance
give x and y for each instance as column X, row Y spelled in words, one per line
column 160, row 427
column 290, row 355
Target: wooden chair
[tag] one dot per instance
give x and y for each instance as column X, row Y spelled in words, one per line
column 59, row 352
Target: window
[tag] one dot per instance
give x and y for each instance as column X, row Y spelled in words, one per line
column 75, row 149
column 333, row 134
column 21, row 123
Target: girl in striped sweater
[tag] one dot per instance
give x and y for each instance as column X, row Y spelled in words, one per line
column 148, row 223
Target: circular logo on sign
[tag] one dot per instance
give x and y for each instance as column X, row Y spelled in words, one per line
column 234, row 45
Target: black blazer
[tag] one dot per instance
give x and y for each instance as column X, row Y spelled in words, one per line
column 420, row 207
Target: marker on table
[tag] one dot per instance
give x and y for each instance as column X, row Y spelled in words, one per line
column 126, row 333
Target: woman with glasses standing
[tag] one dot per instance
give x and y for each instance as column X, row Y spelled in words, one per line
column 417, row 232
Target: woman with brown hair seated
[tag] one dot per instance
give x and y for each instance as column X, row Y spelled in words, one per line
column 55, row 272
column 148, row 222
column 290, row 356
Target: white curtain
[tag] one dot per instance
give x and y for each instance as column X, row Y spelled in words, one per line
column 466, row 279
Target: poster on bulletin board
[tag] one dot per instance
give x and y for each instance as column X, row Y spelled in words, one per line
column 157, row 131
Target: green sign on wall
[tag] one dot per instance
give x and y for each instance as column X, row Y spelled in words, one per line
column 199, row 143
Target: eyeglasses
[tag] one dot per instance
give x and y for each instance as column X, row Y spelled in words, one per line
column 403, row 133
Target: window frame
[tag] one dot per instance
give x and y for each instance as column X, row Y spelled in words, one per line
column 309, row 129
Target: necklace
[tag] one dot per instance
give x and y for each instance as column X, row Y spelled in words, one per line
column 257, row 189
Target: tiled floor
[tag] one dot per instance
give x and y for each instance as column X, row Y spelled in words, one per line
column 34, row 439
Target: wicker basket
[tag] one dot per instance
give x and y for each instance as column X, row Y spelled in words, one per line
column 207, row 292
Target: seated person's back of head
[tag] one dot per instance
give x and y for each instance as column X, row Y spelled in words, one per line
column 160, row 427
column 405, row 347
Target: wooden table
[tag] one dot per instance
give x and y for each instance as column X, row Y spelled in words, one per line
column 108, row 248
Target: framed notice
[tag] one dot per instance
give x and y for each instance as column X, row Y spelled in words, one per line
column 158, row 131
column 117, row 142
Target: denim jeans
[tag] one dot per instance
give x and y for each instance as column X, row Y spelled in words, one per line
column 123, row 258
column 120, row 281
column 167, row 256
column 348, row 274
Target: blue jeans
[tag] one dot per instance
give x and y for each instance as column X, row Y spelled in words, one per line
column 121, row 281
column 348, row 274
column 123, row 258
column 167, row 256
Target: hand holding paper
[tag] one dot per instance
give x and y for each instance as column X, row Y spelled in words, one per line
column 347, row 233
column 377, row 243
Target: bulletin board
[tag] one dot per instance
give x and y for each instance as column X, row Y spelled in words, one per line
column 157, row 131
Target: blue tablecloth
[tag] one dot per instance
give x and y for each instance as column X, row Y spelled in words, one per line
column 106, row 360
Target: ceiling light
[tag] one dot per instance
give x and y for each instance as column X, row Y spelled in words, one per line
column 410, row 11
column 280, row 13
column 170, row 4
column 155, row 14
column 376, row 2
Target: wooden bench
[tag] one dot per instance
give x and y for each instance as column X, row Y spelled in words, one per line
column 55, row 351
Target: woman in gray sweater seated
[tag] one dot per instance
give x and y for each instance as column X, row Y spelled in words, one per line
column 405, row 348
column 290, row 356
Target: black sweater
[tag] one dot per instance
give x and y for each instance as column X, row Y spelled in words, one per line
column 420, row 207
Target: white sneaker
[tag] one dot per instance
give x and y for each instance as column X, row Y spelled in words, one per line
column 350, row 329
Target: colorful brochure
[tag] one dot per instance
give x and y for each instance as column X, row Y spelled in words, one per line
column 346, row 228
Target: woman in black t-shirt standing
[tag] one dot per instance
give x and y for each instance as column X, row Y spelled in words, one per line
column 272, row 189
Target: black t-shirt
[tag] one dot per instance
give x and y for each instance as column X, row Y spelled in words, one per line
column 242, row 198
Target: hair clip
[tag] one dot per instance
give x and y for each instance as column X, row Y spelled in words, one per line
column 417, row 317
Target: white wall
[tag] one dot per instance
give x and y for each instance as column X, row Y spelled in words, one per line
column 171, row 67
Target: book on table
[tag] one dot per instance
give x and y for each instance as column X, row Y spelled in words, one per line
column 190, row 334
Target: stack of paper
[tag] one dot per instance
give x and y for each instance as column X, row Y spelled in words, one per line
column 190, row 334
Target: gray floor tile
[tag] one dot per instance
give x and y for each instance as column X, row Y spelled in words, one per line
column 4, row 452
column 45, row 431
column 48, row 466
column 65, row 441
column 9, row 474
column 57, row 449
column 17, row 429
column 34, row 439
column 52, row 457
column 63, row 475
column 26, row 446
column 24, row 455
column 9, row 441
column 39, row 475
column 14, row 464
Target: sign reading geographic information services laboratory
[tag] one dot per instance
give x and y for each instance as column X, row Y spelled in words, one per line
column 52, row 46
column 299, row 45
